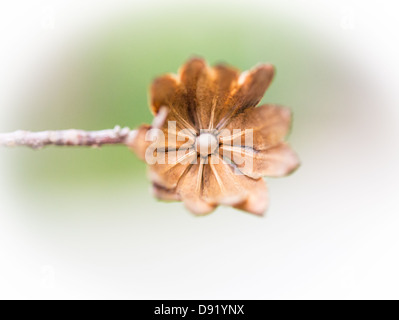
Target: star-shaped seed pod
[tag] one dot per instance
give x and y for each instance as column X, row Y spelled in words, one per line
column 214, row 144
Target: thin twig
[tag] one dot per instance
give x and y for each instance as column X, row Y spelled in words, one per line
column 72, row 137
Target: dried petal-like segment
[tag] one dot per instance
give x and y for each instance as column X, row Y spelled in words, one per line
column 249, row 91
column 189, row 76
column 190, row 72
column 189, row 188
column 277, row 161
column 221, row 184
column 168, row 91
column 139, row 143
column 270, row 124
column 257, row 201
column 164, row 92
column 175, row 139
column 213, row 89
column 167, row 135
column 168, row 167
column 164, row 194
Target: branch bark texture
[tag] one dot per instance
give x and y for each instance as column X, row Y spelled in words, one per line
column 72, row 137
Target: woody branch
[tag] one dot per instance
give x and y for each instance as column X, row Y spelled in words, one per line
column 72, row 137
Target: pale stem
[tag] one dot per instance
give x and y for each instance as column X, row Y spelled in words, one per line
column 72, row 137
